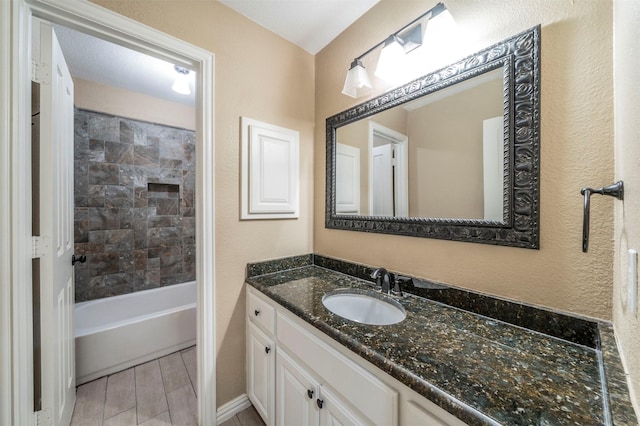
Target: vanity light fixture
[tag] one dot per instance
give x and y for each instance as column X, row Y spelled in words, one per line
column 392, row 60
column 181, row 85
column 357, row 78
column 391, row 63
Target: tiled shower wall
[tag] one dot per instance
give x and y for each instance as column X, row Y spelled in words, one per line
column 134, row 205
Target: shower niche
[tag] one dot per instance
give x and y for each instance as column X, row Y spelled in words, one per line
column 134, row 213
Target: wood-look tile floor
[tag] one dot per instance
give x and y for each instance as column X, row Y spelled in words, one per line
column 161, row 392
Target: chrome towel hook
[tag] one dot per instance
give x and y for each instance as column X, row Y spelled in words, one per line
column 614, row 190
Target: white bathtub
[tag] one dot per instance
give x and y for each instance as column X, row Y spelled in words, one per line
column 116, row 333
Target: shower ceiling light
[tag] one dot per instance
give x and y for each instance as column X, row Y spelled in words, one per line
column 391, row 64
column 181, row 85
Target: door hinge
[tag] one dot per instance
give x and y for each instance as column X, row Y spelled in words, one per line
column 43, row 417
column 40, row 246
column 40, row 72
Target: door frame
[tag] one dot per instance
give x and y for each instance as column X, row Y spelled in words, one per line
column 16, row 348
column 401, row 181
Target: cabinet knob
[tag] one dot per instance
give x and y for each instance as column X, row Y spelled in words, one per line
column 320, row 402
column 310, row 393
column 267, row 349
column 257, row 312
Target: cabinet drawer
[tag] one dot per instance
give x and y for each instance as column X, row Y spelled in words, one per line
column 260, row 311
column 377, row 401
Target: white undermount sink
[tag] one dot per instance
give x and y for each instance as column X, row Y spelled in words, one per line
column 366, row 307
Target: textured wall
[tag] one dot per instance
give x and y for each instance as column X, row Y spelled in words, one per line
column 125, row 103
column 627, row 141
column 134, row 218
column 576, row 150
column 261, row 76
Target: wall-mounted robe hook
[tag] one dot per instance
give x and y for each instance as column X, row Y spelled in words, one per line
column 614, row 190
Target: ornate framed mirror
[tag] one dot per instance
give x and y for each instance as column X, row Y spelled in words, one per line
column 452, row 155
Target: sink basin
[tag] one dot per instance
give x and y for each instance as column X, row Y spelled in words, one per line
column 366, row 307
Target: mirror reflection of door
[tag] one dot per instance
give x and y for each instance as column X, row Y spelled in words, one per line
column 388, row 191
column 347, row 179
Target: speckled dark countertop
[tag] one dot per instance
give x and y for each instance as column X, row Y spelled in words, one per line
column 484, row 370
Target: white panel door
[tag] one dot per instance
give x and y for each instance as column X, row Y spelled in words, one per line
column 347, row 179
column 335, row 412
column 493, row 167
column 56, row 224
column 382, row 181
column 296, row 393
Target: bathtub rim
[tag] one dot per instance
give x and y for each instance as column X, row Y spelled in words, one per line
column 81, row 332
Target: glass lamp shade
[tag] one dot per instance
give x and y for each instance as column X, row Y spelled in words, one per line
column 392, row 60
column 442, row 43
column 357, row 78
column 181, row 85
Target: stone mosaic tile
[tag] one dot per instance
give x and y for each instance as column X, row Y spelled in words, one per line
column 103, row 264
column 116, row 161
column 81, row 129
column 171, row 149
column 103, row 218
column 103, row 174
column 482, row 370
column 81, row 231
column 104, row 127
column 189, row 155
column 147, row 155
column 116, row 152
column 127, row 132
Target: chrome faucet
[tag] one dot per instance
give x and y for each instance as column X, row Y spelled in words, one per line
column 389, row 282
column 383, row 279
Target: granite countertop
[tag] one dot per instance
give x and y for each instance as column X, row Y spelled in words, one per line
column 483, row 370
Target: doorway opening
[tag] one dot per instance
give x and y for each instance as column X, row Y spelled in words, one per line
column 104, row 24
column 389, row 172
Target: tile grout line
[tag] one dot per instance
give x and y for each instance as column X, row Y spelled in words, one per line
column 188, row 375
column 135, row 392
column 164, row 389
column 104, row 400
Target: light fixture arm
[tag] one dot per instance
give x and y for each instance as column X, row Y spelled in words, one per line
column 434, row 11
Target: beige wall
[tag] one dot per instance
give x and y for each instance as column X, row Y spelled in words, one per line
column 125, row 103
column 576, row 145
column 261, row 76
column 627, row 144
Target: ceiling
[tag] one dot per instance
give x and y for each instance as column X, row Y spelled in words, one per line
column 310, row 24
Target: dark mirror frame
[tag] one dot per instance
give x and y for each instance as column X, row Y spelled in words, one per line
column 519, row 57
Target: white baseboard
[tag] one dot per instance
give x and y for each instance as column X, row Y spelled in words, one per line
column 232, row 408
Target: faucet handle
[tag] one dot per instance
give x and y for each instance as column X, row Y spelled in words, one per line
column 397, row 291
column 378, row 272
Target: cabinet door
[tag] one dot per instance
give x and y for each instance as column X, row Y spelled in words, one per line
column 261, row 372
column 335, row 412
column 428, row 414
column 296, row 393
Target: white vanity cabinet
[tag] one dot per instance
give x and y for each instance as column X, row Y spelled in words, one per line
column 296, row 393
column 315, row 381
column 261, row 357
column 302, row 400
column 261, row 372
